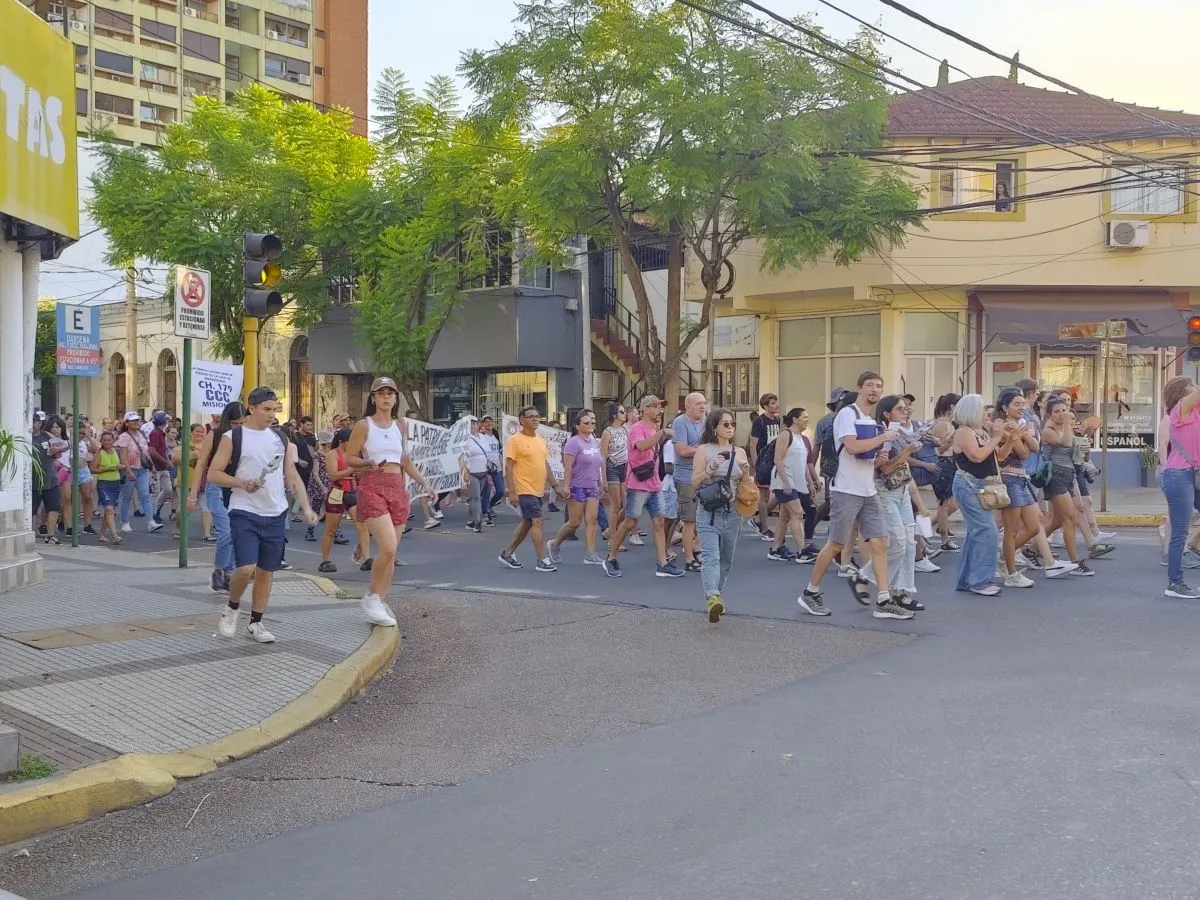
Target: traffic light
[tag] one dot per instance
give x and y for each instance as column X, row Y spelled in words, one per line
column 262, row 273
column 1193, row 353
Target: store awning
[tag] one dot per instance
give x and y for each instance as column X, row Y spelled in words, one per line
column 1151, row 320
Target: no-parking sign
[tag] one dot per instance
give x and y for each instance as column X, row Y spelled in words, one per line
column 193, row 303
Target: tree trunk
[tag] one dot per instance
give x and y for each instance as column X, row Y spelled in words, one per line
column 412, row 398
column 671, row 385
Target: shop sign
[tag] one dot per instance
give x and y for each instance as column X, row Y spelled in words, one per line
column 1129, row 440
column 1092, row 331
column 38, row 170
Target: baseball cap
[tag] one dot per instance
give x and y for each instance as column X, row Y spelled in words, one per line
column 39, row 415
column 835, row 397
column 132, row 416
column 324, row 437
column 383, row 382
column 648, row 401
column 160, row 418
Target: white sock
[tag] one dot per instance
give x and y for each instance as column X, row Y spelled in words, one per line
column 812, row 588
column 884, row 597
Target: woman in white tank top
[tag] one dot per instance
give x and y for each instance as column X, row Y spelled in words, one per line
column 377, row 452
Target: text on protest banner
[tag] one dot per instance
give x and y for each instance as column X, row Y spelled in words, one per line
column 554, row 438
column 436, row 452
column 214, row 385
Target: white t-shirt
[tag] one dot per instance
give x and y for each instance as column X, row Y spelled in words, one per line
column 854, row 476
column 263, row 457
column 668, row 455
column 477, row 454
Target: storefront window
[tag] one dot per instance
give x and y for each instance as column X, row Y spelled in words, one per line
column 1130, row 405
column 736, row 384
column 505, row 393
column 931, row 332
column 453, row 397
column 1075, row 373
column 807, row 371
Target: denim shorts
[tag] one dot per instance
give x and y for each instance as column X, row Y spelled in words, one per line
column 637, row 502
column 1082, row 481
column 530, row 506
column 1062, row 478
column 786, row 496
column 943, row 482
column 258, row 540
column 614, row 473
column 670, row 502
column 1020, row 492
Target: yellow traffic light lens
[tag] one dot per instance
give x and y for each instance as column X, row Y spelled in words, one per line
column 1194, row 339
column 271, row 274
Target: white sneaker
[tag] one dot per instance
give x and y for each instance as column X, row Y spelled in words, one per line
column 637, row 541
column 1059, row 567
column 258, row 631
column 1105, row 535
column 228, row 624
column 1018, row 580
column 849, row 570
column 439, row 515
column 925, row 564
column 154, row 526
column 376, row 612
column 1056, row 539
column 431, row 524
column 127, row 527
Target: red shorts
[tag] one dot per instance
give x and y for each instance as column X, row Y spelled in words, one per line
column 381, row 494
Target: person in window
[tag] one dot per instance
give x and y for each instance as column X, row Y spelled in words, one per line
column 1003, row 196
column 1181, row 397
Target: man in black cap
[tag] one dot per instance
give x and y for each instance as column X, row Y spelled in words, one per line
column 826, row 452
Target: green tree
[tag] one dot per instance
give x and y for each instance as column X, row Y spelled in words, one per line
column 257, row 164
column 45, row 341
column 644, row 112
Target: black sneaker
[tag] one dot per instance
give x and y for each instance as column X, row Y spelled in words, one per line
column 508, row 560
column 41, row 529
column 670, row 570
column 890, row 609
column 490, row 521
column 767, row 534
column 309, row 535
column 780, row 554
column 51, row 539
column 808, row 557
column 88, row 529
column 339, row 538
column 326, row 566
column 1081, row 571
column 216, row 583
column 285, row 565
column 545, row 565
column 812, row 603
column 951, row 545
column 139, row 514
column 612, row 568
column 1182, row 591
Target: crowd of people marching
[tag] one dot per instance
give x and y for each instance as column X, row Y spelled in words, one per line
column 1017, row 471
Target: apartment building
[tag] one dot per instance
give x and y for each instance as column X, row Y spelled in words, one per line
column 140, row 64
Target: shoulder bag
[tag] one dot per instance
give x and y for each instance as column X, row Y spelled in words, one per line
column 718, row 494
column 994, row 493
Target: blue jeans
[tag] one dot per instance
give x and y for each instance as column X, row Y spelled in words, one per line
column 493, row 490
column 1178, row 486
column 977, row 559
column 140, row 483
column 718, row 541
column 902, row 538
column 220, row 517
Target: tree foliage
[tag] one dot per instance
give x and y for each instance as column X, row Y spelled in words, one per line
column 257, row 164
column 647, row 113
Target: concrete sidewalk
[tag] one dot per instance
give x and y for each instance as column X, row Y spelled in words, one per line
column 112, row 670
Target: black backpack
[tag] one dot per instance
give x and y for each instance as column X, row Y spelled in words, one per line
column 765, row 464
column 235, row 456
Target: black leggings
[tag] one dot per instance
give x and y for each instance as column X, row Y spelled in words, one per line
column 810, row 516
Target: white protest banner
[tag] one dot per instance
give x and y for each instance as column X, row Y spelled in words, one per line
column 436, row 452
column 554, row 438
column 214, row 385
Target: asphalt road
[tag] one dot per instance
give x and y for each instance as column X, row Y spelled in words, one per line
column 613, row 744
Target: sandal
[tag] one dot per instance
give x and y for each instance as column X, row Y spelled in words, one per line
column 366, row 565
column 860, row 588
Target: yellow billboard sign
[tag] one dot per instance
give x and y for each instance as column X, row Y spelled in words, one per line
column 39, row 176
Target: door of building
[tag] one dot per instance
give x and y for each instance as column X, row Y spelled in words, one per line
column 927, row 377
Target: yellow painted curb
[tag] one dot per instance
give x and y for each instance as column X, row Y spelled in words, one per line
column 1130, row 520
column 136, row 778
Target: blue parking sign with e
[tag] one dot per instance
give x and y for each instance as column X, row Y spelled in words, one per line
column 78, row 333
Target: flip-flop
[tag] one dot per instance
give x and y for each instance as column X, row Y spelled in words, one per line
column 860, row 588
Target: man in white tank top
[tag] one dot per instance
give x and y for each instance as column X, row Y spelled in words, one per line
column 258, row 506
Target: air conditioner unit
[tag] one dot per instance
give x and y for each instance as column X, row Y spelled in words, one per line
column 78, row 25
column 157, row 87
column 81, row 68
column 1126, row 234
column 606, row 384
column 188, row 11
column 105, row 118
column 232, row 7
column 304, row 79
column 275, row 35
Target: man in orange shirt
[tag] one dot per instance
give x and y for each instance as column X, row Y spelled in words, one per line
column 526, row 473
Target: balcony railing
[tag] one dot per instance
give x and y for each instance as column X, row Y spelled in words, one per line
column 197, row 12
column 160, row 77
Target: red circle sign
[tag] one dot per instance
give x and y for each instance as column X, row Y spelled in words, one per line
column 191, row 290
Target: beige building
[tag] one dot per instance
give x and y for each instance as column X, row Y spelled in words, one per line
column 1045, row 236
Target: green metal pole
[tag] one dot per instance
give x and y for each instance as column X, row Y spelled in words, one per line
column 74, row 460
column 185, row 444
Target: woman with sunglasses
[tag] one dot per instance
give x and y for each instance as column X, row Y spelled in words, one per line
column 583, row 473
column 717, row 458
column 614, row 447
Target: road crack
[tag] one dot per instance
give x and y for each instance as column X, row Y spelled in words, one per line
column 562, row 624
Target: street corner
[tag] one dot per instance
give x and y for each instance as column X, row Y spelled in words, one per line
column 136, row 778
column 1129, row 520
column 325, row 584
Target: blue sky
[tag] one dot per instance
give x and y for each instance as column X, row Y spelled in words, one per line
column 1103, row 46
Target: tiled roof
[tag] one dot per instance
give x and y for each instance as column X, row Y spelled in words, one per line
column 927, row 113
